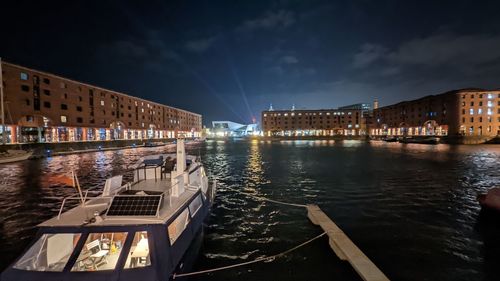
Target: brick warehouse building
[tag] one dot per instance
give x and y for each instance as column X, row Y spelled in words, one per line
column 42, row 107
column 466, row 112
column 322, row 122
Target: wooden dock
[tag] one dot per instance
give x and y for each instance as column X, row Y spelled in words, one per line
column 344, row 248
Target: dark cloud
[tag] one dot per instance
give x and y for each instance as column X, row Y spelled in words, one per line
column 368, row 54
column 289, row 60
column 200, row 45
column 270, row 20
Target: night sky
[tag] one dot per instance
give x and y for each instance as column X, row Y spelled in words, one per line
column 228, row 60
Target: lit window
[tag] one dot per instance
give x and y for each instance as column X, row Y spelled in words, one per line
column 102, row 103
column 471, row 111
column 50, row 253
column 64, row 119
column 195, row 205
column 265, row 115
column 142, row 109
column 490, row 103
column 100, row 252
column 479, row 111
column 490, row 112
column 176, row 228
column 139, row 251
column 490, row 96
column 24, row 76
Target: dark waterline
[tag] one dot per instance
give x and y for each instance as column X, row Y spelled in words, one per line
column 410, row 208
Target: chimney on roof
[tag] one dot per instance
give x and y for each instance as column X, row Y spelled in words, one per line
column 271, row 107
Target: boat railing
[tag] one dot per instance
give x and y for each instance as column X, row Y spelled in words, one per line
column 83, row 199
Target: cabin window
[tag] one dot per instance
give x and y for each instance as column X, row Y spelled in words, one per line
column 100, row 252
column 50, row 253
column 176, row 228
column 195, row 205
column 139, row 251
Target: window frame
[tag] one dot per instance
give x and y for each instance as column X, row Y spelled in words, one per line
column 185, row 208
column 84, row 234
column 24, row 76
column 83, row 239
column 37, row 239
column 129, row 247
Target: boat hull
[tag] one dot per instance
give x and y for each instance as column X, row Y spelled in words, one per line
column 489, row 201
column 419, row 140
column 16, row 158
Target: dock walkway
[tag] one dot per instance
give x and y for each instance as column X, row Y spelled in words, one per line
column 344, row 248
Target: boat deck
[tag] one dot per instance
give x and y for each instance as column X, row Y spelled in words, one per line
column 80, row 215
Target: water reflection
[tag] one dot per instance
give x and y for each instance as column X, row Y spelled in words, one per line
column 410, row 207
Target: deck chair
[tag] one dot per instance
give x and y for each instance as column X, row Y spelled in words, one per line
column 98, row 255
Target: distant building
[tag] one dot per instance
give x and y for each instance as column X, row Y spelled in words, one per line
column 364, row 107
column 43, row 107
column 466, row 112
column 319, row 122
column 232, row 129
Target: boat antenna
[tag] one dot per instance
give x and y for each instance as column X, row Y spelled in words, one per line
column 76, row 184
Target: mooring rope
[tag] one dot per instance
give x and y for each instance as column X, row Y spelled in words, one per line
column 249, row 262
column 267, row 199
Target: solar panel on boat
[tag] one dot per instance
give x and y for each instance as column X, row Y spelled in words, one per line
column 133, row 205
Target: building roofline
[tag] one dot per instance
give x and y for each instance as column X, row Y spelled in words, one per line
column 457, row 91
column 93, row 86
column 321, row 109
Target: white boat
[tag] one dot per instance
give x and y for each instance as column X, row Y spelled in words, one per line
column 154, row 144
column 14, row 156
column 139, row 230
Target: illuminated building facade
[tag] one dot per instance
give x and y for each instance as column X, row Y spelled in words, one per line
column 42, row 107
column 232, row 129
column 321, row 122
column 467, row 112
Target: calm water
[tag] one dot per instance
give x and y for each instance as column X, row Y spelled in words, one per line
column 410, row 208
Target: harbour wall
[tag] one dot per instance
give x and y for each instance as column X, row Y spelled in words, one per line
column 50, row 149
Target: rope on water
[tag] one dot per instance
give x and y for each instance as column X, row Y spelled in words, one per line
column 249, row 262
column 267, row 199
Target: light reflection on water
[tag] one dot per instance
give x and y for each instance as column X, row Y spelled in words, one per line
column 411, row 208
